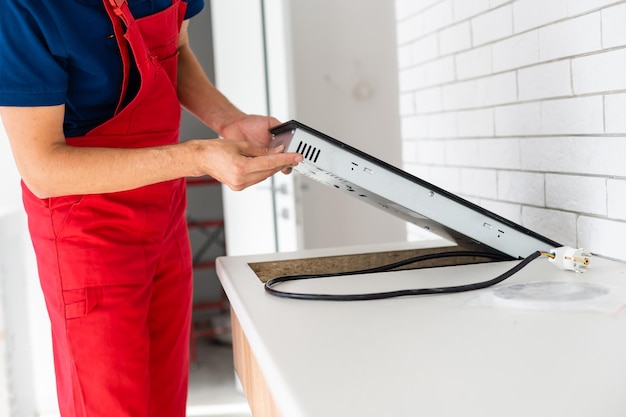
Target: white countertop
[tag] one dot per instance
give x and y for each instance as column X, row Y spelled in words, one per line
column 433, row 355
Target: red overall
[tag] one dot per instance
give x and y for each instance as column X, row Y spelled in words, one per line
column 116, row 268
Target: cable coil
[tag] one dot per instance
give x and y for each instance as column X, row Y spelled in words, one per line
column 270, row 285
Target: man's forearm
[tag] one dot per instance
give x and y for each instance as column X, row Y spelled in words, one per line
column 199, row 96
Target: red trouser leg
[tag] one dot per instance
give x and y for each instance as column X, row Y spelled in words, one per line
column 123, row 350
column 169, row 326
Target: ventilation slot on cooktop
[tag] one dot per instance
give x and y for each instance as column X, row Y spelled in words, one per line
column 309, row 152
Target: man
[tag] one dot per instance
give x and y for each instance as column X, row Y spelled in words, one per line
column 90, row 96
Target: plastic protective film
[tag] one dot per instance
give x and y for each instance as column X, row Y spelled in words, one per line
column 554, row 296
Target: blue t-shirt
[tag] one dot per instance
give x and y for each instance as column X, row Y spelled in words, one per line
column 62, row 52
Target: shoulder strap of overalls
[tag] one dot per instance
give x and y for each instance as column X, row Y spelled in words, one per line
column 119, row 3
column 119, row 6
column 117, row 9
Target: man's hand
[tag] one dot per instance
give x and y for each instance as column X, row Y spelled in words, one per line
column 251, row 128
column 241, row 163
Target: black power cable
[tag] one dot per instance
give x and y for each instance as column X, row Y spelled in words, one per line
column 272, row 283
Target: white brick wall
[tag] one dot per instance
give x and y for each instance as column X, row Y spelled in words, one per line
column 613, row 33
column 520, row 106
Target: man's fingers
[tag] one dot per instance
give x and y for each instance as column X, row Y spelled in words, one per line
column 253, row 169
column 279, row 149
column 274, row 162
column 250, row 149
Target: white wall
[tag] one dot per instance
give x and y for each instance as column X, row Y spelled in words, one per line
column 335, row 70
column 7, row 206
column 345, row 84
column 240, row 75
column 4, row 375
column 519, row 106
column 9, row 177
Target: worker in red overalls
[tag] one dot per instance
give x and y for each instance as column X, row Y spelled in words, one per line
column 103, row 185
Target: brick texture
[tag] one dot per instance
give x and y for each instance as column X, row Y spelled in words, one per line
column 520, row 106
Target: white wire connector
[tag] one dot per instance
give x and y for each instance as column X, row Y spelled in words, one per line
column 571, row 259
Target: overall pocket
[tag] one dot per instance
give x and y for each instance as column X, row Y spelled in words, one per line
column 101, row 240
column 79, row 302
